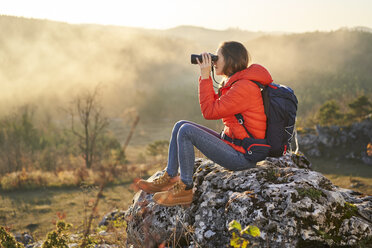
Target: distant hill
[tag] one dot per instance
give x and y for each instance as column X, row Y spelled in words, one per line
column 210, row 37
column 47, row 62
column 359, row 28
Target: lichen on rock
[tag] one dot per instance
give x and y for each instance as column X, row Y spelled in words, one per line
column 292, row 206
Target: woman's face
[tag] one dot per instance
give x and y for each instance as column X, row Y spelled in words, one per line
column 220, row 63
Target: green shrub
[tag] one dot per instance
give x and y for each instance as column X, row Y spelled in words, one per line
column 350, row 210
column 7, row 240
column 360, row 107
column 58, row 238
column 159, row 147
column 329, row 113
column 239, row 237
column 312, row 193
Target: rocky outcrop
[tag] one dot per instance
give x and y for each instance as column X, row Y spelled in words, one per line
column 292, row 206
column 24, row 238
column 339, row 142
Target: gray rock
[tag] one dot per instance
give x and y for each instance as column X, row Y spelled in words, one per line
column 325, row 136
column 24, row 238
column 105, row 246
column 292, row 206
column 367, row 159
column 114, row 215
column 37, row 244
column 208, row 234
column 339, row 142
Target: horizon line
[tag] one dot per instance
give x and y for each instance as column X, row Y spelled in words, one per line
column 355, row 28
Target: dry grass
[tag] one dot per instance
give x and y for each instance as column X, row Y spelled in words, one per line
column 36, row 179
column 37, row 211
column 360, row 184
column 33, row 201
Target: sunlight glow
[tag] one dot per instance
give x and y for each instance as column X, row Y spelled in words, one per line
column 255, row 15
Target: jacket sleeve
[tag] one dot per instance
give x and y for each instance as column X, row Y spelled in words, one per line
column 242, row 96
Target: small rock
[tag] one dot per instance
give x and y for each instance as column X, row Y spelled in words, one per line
column 208, row 234
column 24, row 238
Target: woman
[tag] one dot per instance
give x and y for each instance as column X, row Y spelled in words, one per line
column 236, row 95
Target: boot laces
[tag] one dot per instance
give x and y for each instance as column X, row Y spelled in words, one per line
column 162, row 179
column 177, row 188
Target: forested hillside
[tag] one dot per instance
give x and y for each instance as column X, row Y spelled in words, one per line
column 319, row 66
column 45, row 63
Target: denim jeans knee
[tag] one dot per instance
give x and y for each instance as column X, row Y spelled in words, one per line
column 187, row 135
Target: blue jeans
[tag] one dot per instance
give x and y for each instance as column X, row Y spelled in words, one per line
column 185, row 136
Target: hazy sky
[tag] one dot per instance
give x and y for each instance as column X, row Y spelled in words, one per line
column 254, row 15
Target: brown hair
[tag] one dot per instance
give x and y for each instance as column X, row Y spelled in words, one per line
column 236, row 57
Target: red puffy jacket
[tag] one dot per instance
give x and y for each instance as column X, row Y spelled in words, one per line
column 238, row 95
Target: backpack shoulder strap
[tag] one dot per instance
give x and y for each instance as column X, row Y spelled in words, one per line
column 240, row 116
column 258, row 84
column 265, row 97
column 241, row 122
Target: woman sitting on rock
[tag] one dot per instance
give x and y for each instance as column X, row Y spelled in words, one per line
column 237, row 94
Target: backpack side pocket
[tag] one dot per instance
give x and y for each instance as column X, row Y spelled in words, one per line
column 256, row 149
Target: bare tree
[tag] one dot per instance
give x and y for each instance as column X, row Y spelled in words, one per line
column 92, row 123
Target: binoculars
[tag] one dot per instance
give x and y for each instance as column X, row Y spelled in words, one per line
column 200, row 58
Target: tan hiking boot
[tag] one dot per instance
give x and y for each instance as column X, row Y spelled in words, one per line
column 162, row 183
column 178, row 195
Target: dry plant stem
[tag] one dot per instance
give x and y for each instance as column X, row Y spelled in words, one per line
column 174, row 237
column 130, row 133
column 190, row 231
column 87, row 230
column 176, row 242
column 175, row 232
column 85, row 212
column 104, row 177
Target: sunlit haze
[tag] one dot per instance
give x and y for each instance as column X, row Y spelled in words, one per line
column 254, row 15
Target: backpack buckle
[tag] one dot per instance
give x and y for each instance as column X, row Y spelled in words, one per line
column 222, row 135
column 285, row 150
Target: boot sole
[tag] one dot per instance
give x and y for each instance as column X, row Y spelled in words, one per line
column 154, row 191
column 182, row 203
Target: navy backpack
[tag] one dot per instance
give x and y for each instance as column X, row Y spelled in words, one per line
column 280, row 104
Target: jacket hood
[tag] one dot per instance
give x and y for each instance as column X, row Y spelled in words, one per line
column 254, row 72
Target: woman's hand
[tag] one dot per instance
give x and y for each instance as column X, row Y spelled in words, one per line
column 205, row 65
